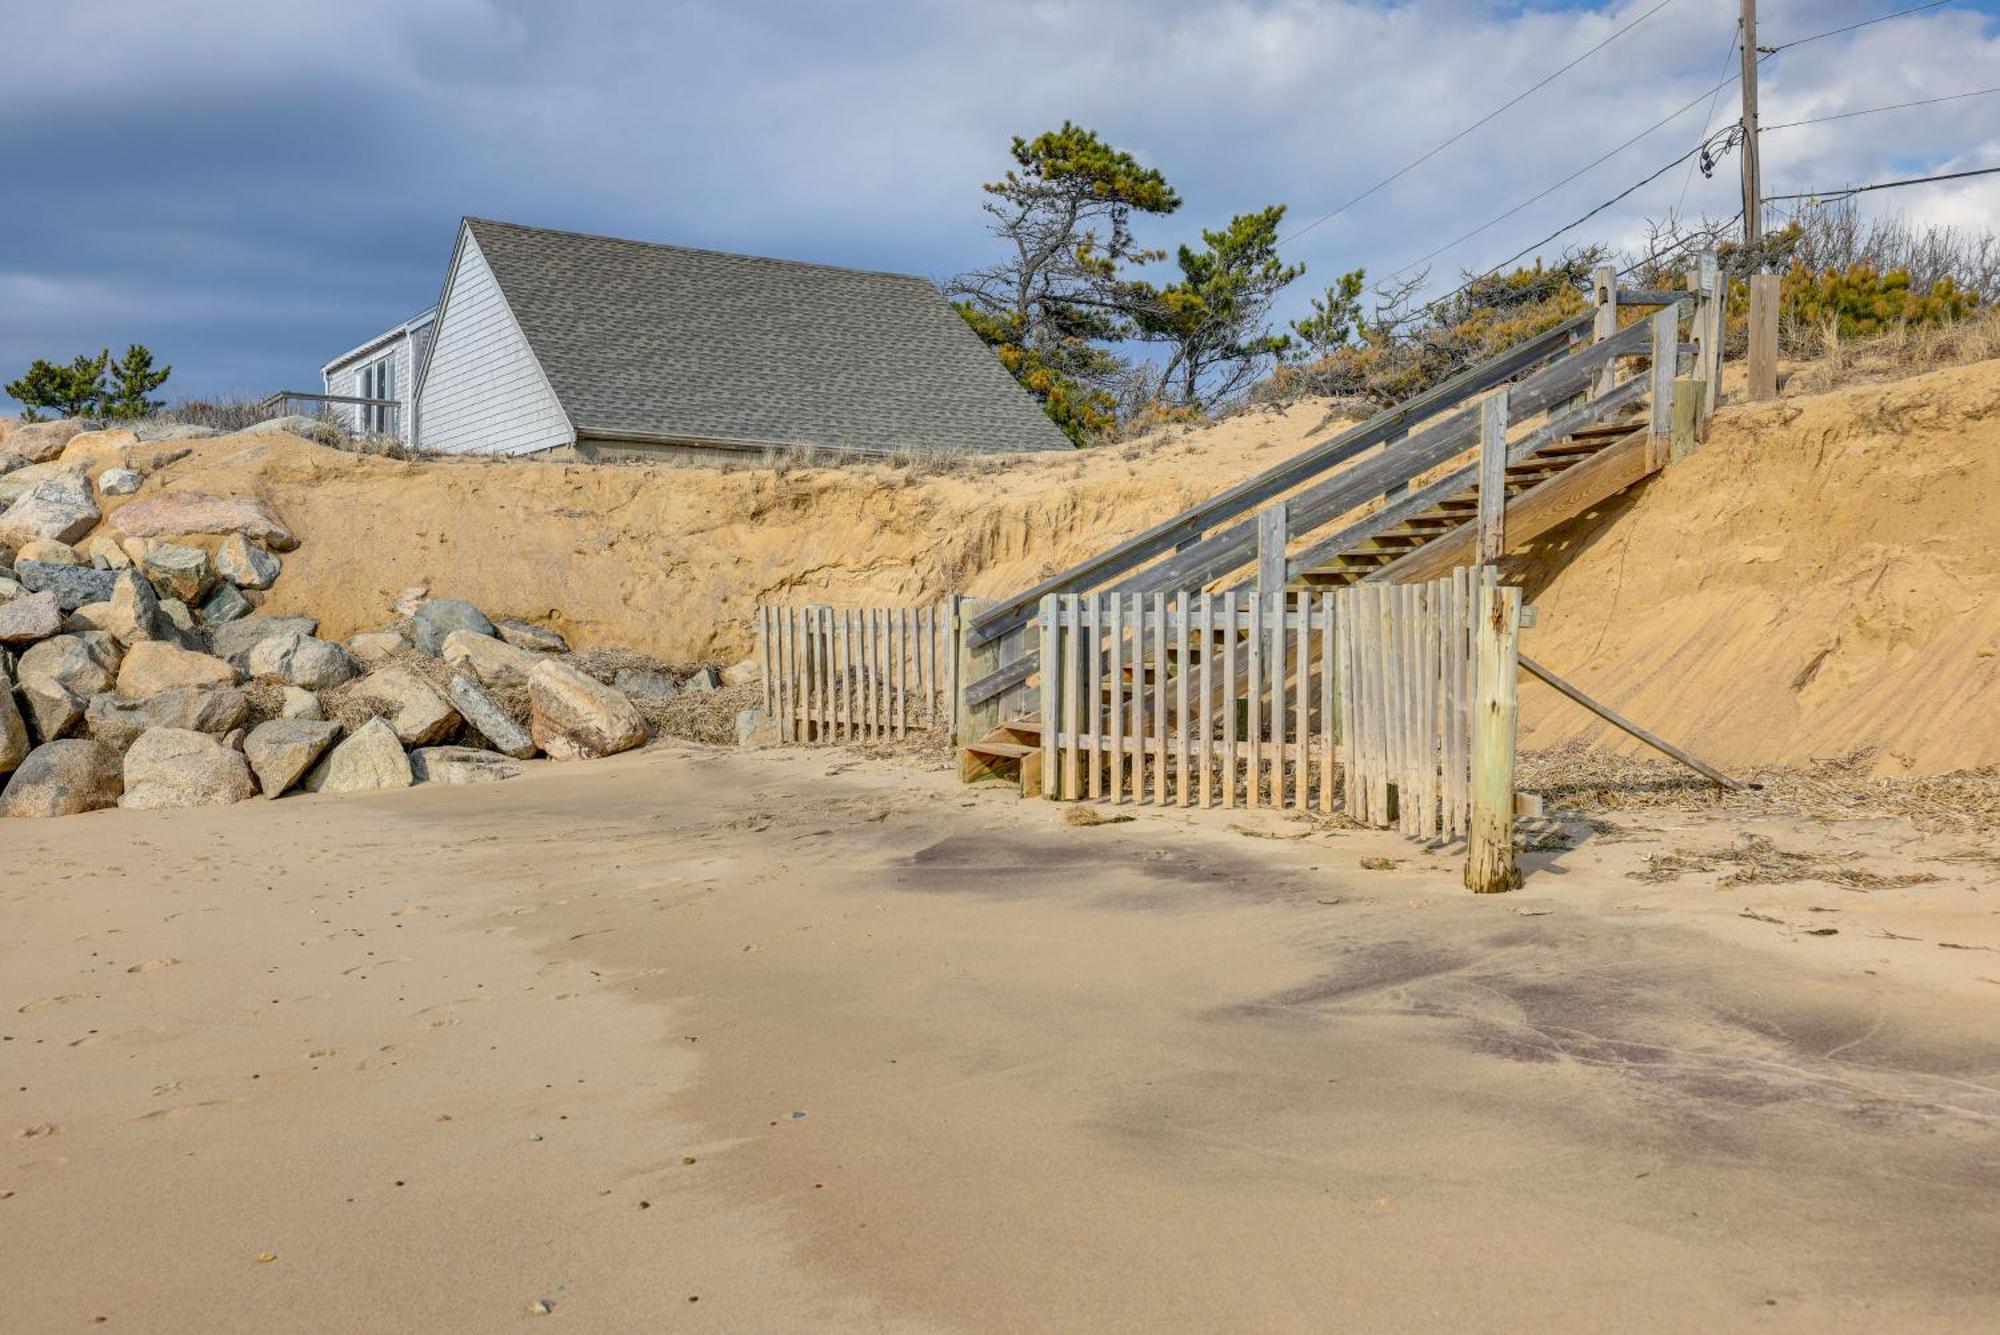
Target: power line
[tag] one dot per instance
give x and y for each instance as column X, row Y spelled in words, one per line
column 1708, row 118
column 1656, row 125
column 1709, row 233
column 1835, row 32
column 1483, row 120
column 1894, row 106
column 1883, row 185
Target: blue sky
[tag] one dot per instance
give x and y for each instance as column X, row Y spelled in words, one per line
column 251, row 186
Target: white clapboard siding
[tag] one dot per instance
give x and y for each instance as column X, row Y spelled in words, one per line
column 344, row 378
column 484, row 392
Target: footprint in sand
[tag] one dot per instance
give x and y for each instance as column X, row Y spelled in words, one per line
column 38, row 1131
column 49, row 1003
column 442, row 1019
column 152, row 966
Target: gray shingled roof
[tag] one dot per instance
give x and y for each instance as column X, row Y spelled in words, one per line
column 648, row 340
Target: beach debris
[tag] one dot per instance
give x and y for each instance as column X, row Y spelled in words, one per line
column 1380, row 864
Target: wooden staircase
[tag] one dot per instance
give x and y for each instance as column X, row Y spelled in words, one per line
column 1012, row 751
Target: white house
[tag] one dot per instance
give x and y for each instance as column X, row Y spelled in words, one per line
column 385, row 367
column 546, row 340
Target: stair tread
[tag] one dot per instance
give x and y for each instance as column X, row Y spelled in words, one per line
column 1004, row 750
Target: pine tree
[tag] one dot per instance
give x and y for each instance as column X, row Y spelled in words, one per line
column 132, row 379
column 1213, row 318
column 76, row 390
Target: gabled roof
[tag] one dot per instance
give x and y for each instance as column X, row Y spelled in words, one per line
column 647, row 341
column 409, row 326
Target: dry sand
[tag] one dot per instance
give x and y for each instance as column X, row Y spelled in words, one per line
column 695, row 1040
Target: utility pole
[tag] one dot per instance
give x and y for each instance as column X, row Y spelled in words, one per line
column 1753, row 183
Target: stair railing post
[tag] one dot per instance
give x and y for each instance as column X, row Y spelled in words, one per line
column 1049, row 629
column 972, row 722
column 1493, row 477
column 1763, row 336
column 1271, row 533
column 1715, row 310
column 1604, row 292
column 1666, row 359
column 1496, row 649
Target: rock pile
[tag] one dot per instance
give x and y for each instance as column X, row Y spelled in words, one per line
column 134, row 670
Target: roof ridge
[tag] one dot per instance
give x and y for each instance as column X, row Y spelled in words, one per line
column 470, row 219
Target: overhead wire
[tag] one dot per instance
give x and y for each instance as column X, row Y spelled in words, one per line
column 1482, row 121
column 1864, row 23
column 1870, row 111
column 1882, row 185
column 1708, row 118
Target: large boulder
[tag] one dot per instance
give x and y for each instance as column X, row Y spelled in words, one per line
column 440, row 617
column 39, row 442
column 645, row 684
column 13, row 729
column 299, row 660
column 296, row 424
column 58, row 676
column 756, row 729
column 170, row 768
column 575, row 717
column 417, row 712
column 245, row 564
column 490, row 721
column 150, row 431
column 59, row 507
column 64, row 778
column 105, row 553
column 376, row 646
column 281, row 751
column 495, row 663
column 16, row 482
column 35, row 616
column 50, row 552
column 118, row 722
column 135, row 614
column 118, row 482
column 178, row 571
column 527, row 635
column 298, row 704
column 152, row 666
column 179, row 513
column 235, row 640
column 370, row 758
column 460, row 764
column 226, row 604
column 73, row 586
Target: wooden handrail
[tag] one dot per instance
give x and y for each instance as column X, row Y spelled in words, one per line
column 1012, row 613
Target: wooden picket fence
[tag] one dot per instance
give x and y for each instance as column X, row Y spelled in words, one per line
column 1360, row 697
column 846, row 674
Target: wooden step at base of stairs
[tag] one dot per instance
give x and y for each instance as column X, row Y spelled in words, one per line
column 1012, row 751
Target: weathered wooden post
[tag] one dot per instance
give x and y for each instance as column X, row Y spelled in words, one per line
column 1666, row 366
column 1272, row 524
column 1686, row 431
column 1604, row 291
column 1048, row 631
column 1496, row 648
column 1763, row 336
column 1493, row 476
column 1715, row 310
column 972, row 722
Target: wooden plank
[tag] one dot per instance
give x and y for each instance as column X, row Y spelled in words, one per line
column 1093, row 691
column 1159, row 699
column 1686, row 417
column 1763, row 337
column 1666, row 358
column 1535, row 511
column 1229, row 741
column 1271, row 532
column 1493, row 476
column 1253, row 724
column 1302, row 701
column 1184, row 669
column 1204, row 764
column 1715, row 293
column 1052, row 683
column 903, row 616
column 1344, row 603
column 1604, row 323
column 1254, row 491
column 1070, row 627
column 1489, row 857
column 1618, row 720
column 1141, row 649
column 1329, row 718
column 1114, row 711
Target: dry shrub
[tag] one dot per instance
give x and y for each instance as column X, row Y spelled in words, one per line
column 1832, row 360
column 1755, row 860
column 701, row 716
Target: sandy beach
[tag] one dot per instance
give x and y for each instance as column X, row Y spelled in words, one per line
column 699, row 1040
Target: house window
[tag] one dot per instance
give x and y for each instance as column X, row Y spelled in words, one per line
column 378, row 381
